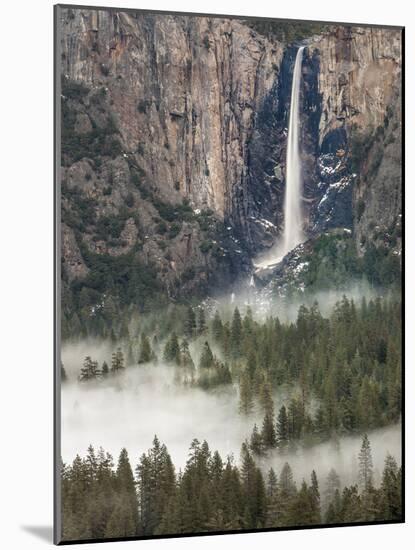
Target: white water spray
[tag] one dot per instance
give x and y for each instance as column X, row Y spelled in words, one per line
column 293, row 230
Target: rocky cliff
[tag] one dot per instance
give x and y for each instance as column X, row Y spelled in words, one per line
column 174, row 137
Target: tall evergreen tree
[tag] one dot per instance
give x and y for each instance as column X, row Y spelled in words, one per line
column 117, row 361
column 89, row 370
column 217, row 328
column 105, row 369
column 145, row 350
column 268, row 435
column 391, row 502
column 190, row 323
column 246, row 402
column 126, row 488
column 206, row 359
column 201, row 322
column 332, row 486
column 236, row 334
column 172, row 350
column 365, row 464
column 282, row 427
column 315, row 499
column 255, row 442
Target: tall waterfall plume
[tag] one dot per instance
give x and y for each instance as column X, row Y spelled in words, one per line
column 293, row 225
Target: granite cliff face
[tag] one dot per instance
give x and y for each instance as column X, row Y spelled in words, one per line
column 174, row 140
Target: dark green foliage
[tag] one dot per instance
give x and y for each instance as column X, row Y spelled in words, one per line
column 190, row 323
column 381, row 267
column 365, row 464
column 205, row 246
column 89, row 370
column 73, row 90
column 391, row 491
column 217, row 327
column 236, row 334
column 172, row 350
column 117, row 361
column 82, row 208
column 109, row 227
column 124, row 277
column 99, row 142
column 146, row 353
column 334, row 262
column 360, row 208
column 201, row 322
column 246, row 398
column 209, row 495
column 206, row 359
column 287, row 31
column 173, row 212
column 282, row 427
column 174, row 230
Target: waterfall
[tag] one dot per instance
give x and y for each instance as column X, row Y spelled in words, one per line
column 293, row 224
column 293, row 233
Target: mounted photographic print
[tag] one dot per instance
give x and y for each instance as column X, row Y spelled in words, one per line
column 229, row 256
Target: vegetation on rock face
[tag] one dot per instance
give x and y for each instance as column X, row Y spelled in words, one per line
column 287, row 31
column 334, row 263
column 102, row 140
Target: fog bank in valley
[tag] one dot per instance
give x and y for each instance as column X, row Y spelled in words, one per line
column 129, row 409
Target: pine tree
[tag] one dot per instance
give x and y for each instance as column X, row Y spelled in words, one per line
column 255, row 442
column 300, row 509
column 282, row 428
column 217, row 328
column 190, row 323
column 365, row 464
column 332, row 486
column 89, row 370
column 391, row 505
column 145, row 350
column 236, row 334
column 351, row 505
column 206, row 359
column 287, row 492
column 172, row 350
column 333, row 512
column 268, row 435
column 201, row 322
column 246, row 402
column 315, row 499
column 121, row 522
column 286, row 482
column 126, row 489
column 185, row 357
column 117, row 361
column 273, row 500
column 266, row 401
column 254, row 491
column 105, row 369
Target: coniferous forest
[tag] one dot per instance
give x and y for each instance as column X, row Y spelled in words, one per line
column 340, row 376
column 101, row 499
column 230, row 274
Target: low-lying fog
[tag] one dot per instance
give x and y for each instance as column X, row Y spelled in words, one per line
column 127, row 410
